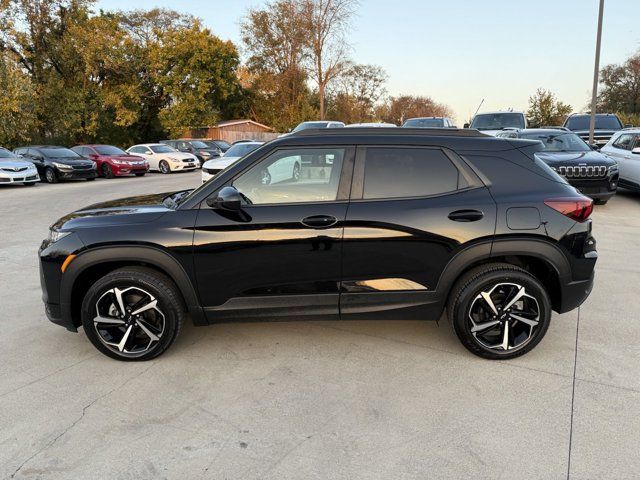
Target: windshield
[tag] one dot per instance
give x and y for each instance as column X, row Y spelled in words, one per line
column 603, row 122
column 4, row 153
column 59, row 153
column 109, row 150
column 497, row 121
column 559, row 142
column 218, row 144
column 241, row 149
column 199, row 144
column 424, row 122
column 306, row 125
column 162, row 149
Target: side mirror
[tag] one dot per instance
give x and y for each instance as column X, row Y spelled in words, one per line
column 466, row 125
column 228, row 198
column 628, row 125
column 636, row 151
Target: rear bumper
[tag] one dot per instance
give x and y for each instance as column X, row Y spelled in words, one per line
column 575, row 293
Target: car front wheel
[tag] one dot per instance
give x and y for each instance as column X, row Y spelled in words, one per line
column 499, row 311
column 164, row 167
column 133, row 314
column 50, row 175
column 107, row 171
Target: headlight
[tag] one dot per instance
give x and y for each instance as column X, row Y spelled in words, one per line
column 613, row 168
column 94, row 164
column 55, row 235
column 62, row 166
column 205, row 154
column 119, row 162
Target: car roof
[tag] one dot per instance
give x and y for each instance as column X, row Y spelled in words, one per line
column 499, row 111
column 148, row 145
column 630, row 130
column 252, row 142
column 597, row 115
column 543, row 130
column 43, row 146
column 424, row 118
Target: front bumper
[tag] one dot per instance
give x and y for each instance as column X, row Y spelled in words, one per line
column 209, row 173
column 73, row 174
column 598, row 189
column 19, row 177
column 179, row 166
column 121, row 170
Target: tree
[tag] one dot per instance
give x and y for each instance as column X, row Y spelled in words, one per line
column 398, row 109
column 356, row 92
column 17, row 117
column 620, row 90
column 326, row 22
column 276, row 79
column 545, row 109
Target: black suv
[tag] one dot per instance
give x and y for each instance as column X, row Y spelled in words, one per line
column 397, row 223
column 201, row 150
column 56, row 163
column 591, row 172
column 606, row 125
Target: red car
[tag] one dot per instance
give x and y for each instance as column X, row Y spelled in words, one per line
column 112, row 162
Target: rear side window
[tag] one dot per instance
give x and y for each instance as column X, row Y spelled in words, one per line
column 408, row 172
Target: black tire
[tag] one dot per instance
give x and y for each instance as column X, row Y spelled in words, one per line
column 467, row 295
column 50, row 175
column 29, row 184
column 132, row 281
column 139, row 174
column 90, row 179
column 164, row 167
column 107, row 171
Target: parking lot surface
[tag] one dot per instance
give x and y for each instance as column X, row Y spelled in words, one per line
column 321, row 399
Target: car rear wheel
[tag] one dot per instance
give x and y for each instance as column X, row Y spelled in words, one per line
column 50, row 175
column 164, row 167
column 499, row 311
column 107, row 171
column 133, row 314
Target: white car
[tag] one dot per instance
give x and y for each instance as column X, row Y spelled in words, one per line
column 491, row 123
column 371, row 125
column 212, row 167
column 165, row 159
column 624, row 148
column 13, row 169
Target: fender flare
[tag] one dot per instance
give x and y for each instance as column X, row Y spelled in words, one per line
column 522, row 246
column 153, row 256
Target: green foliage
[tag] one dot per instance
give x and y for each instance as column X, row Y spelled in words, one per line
column 546, row 110
column 17, row 118
column 620, row 90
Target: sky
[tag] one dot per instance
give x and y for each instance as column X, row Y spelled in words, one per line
column 459, row 52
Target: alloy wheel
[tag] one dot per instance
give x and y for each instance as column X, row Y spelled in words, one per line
column 128, row 321
column 504, row 317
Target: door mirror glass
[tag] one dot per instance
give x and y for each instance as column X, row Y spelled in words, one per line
column 466, row 125
column 228, row 198
column 294, row 175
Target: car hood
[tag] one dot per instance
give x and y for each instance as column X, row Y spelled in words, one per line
column 17, row 163
column 126, row 158
column 220, row 163
column 178, row 155
column 590, row 157
column 123, row 211
column 493, row 133
column 84, row 162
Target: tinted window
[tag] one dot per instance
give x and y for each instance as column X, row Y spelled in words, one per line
column 624, row 141
column 558, row 142
column 138, row 150
column 603, row 122
column 4, row 153
column 198, row 144
column 497, row 121
column 408, row 172
column 59, row 153
column 109, row 150
column 293, row 176
column 241, row 149
column 162, row 149
column 424, row 123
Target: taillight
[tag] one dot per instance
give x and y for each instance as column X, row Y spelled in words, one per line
column 576, row 208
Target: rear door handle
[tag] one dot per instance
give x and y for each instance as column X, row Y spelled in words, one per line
column 466, row 215
column 319, row 221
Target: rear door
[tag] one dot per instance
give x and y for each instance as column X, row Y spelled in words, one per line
column 412, row 209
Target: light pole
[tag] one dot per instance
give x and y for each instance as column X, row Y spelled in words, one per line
column 596, row 71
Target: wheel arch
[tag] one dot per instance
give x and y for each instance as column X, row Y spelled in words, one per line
column 543, row 259
column 92, row 264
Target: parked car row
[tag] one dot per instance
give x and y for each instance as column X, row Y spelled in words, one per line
column 53, row 163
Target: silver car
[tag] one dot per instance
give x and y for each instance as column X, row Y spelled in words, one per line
column 13, row 169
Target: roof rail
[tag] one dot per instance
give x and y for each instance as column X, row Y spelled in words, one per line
column 433, row 132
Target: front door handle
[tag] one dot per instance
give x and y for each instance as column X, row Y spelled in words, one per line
column 466, row 215
column 319, row 221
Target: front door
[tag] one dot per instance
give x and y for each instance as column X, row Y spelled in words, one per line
column 282, row 252
column 412, row 210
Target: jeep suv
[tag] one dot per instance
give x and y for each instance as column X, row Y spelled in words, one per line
column 380, row 223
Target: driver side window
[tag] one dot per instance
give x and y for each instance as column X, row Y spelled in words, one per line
column 293, row 176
